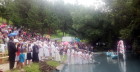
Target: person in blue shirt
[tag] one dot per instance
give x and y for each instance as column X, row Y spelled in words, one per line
column 21, row 59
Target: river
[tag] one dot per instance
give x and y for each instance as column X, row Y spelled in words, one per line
column 106, row 64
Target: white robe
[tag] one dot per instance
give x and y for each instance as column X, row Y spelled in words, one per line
column 40, row 54
column 80, row 57
column 84, row 58
column 72, row 56
column 31, row 47
column 76, row 57
column 46, row 51
column 57, row 55
column 68, row 56
column 53, row 50
column 90, row 58
column 87, row 58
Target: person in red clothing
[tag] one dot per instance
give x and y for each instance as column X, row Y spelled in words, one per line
column 17, row 54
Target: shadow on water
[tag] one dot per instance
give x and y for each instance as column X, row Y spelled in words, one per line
column 106, row 64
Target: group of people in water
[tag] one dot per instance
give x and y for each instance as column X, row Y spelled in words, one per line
column 79, row 56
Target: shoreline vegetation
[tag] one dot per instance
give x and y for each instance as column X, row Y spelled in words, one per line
column 42, row 66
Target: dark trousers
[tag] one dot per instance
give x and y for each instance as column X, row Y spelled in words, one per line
column 11, row 64
column 12, row 60
column 35, row 57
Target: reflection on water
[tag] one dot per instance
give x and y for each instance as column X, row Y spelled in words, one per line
column 122, row 65
column 106, row 65
column 79, row 68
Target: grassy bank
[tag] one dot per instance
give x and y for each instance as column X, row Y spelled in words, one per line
column 34, row 67
column 53, row 63
column 37, row 67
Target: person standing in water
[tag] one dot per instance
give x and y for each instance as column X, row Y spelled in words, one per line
column 80, row 57
column 68, row 56
column 72, row 56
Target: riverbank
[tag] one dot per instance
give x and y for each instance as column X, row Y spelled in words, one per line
column 43, row 66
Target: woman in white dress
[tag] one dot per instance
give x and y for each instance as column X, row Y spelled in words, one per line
column 84, row 57
column 87, row 57
column 76, row 56
column 50, row 49
column 53, row 50
column 57, row 54
column 68, row 56
column 72, row 56
column 46, row 51
column 90, row 57
column 80, row 57
column 41, row 53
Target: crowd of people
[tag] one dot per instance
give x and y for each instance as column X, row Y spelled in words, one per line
column 26, row 47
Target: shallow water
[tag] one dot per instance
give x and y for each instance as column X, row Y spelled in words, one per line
column 106, row 64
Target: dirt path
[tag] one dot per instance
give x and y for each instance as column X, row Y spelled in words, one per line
column 4, row 67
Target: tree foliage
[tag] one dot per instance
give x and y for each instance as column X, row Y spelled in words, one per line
column 119, row 19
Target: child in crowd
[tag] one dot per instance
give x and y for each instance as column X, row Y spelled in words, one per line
column 21, row 59
column 29, row 55
column 17, row 54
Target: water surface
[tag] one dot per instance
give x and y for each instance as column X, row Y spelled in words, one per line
column 106, row 64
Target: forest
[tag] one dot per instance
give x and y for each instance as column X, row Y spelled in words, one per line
column 118, row 19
